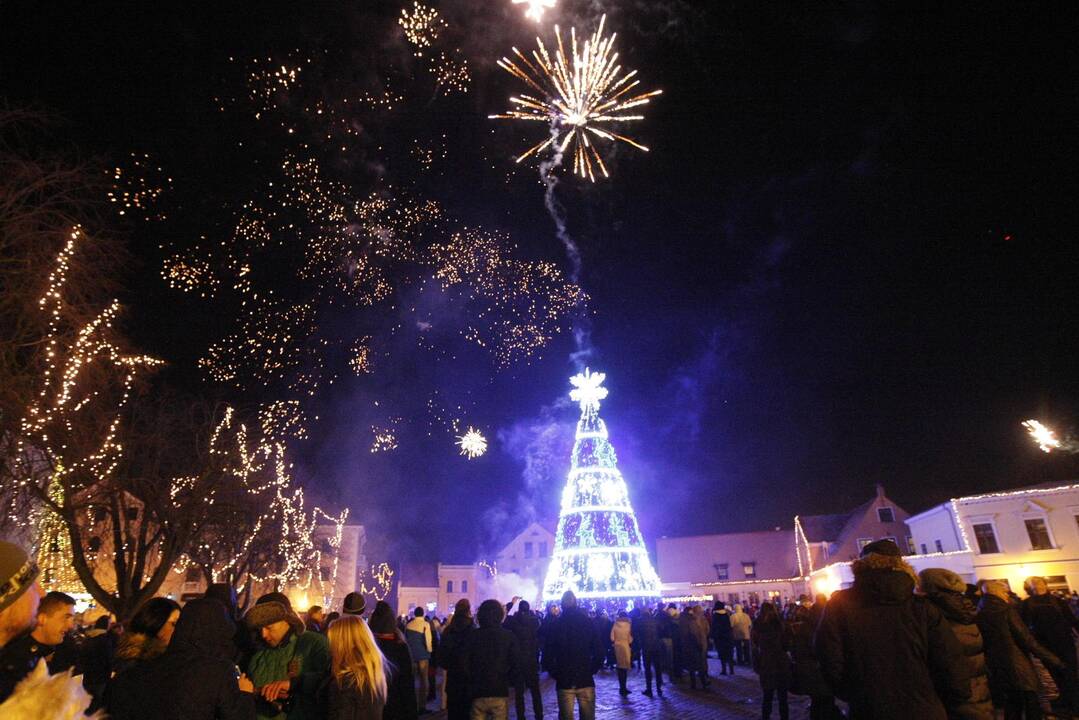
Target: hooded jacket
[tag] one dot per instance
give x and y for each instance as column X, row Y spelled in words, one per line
column 1008, row 645
column 740, row 624
column 960, row 614
column 194, row 679
column 885, row 651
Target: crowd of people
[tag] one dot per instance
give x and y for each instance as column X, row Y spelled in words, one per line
column 894, row 645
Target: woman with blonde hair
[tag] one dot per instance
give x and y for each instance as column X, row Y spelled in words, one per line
column 357, row 686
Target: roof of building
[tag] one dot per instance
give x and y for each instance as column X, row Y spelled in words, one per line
column 825, row 528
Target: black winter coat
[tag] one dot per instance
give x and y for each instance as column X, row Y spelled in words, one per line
column 883, row 650
column 722, row 635
column 401, row 691
column 525, row 627
column 770, row 659
column 194, row 680
column 575, row 650
column 960, row 614
column 348, row 703
column 1007, row 646
column 645, row 630
column 1052, row 623
column 492, row 661
column 807, row 676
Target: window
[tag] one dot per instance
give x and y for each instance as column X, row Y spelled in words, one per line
column 940, row 548
column 464, row 586
column 528, row 550
column 862, row 542
column 925, row 550
column 910, row 545
column 749, row 569
column 722, row 571
column 1057, row 583
column 1039, row 534
column 986, row 538
column 449, row 586
column 886, row 515
column 543, row 549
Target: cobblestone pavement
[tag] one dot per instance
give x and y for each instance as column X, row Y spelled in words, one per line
column 737, row 697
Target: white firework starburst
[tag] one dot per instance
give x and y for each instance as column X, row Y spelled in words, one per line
column 535, row 8
column 472, row 443
column 1044, row 436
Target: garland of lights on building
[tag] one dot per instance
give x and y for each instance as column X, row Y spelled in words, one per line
column 599, row 550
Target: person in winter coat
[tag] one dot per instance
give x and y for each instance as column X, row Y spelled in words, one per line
column 492, row 662
column 946, row 590
column 400, row 693
column 645, row 629
column 195, row 678
column 148, row 634
column 356, row 688
column 723, row 637
column 1054, row 626
column 576, row 654
column 622, row 639
column 452, row 657
column 1013, row 682
column 771, row 662
column 807, row 678
column 420, row 643
column 525, row 627
column 740, row 627
column 290, row 665
column 47, row 640
column 884, row 650
column 694, row 646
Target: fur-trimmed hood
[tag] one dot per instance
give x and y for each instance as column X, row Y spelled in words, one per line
column 136, row 647
column 884, row 579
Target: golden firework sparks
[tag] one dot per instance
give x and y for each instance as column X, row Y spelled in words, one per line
column 1044, row 436
column 473, row 444
column 580, row 94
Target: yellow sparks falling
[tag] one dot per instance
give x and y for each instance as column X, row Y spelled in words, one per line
column 422, row 26
column 535, row 8
column 579, row 94
column 1046, row 439
column 473, row 444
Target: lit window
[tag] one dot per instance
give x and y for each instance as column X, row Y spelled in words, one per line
column 722, row 571
column 986, row 538
column 464, row 586
column 940, row 548
column 749, row 569
column 449, row 586
column 528, row 550
column 886, row 515
column 862, row 542
column 1039, row 534
column 543, row 549
column 910, row 545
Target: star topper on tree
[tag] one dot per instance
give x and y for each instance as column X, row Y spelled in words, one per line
column 588, row 389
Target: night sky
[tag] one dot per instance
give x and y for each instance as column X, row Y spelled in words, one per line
column 850, row 258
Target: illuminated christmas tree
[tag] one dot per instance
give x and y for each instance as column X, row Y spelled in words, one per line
column 54, row 548
column 599, row 551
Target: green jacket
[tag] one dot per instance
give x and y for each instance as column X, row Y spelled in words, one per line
column 311, row 650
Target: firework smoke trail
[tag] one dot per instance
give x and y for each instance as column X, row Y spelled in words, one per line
column 582, row 330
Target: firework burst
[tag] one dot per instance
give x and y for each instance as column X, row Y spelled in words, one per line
column 580, row 94
column 473, row 444
column 535, row 8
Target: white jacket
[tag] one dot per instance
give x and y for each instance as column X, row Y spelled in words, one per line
column 40, row 696
column 420, row 625
column 740, row 624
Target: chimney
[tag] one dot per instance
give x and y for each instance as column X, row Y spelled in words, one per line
column 880, row 491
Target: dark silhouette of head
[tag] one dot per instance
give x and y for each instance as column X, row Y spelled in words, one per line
column 419, row 612
column 524, row 607
column 490, row 614
column 569, row 600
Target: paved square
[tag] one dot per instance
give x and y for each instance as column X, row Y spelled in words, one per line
column 737, row 697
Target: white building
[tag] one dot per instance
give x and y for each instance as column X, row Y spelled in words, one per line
column 1009, row 535
column 522, row 564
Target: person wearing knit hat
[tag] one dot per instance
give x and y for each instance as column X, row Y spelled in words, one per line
column 19, row 592
column 290, row 665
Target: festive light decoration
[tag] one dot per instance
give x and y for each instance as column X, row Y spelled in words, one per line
column 382, row 576
column 578, row 93
column 534, row 8
column 54, row 546
column 473, row 444
column 599, row 551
